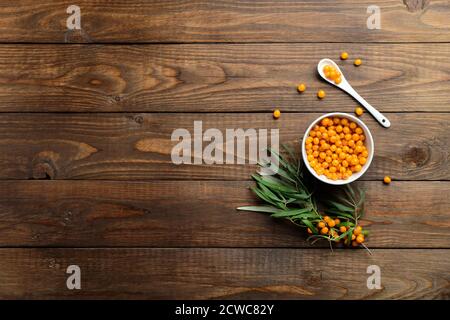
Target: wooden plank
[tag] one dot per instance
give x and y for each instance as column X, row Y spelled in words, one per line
column 224, row 21
column 223, row 274
column 219, row 78
column 138, row 146
column 201, row 214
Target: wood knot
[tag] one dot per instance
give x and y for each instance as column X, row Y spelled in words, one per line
column 138, row 119
column 415, row 5
column 43, row 171
column 43, row 165
column 416, row 156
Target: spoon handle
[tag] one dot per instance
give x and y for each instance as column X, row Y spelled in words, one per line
column 375, row 113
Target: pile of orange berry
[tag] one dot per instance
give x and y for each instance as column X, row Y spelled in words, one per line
column 335, row 148
column 332, row 74
column 334, row 229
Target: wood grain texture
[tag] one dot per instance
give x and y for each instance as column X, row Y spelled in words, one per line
column 201, row 214
column 223, row 274
column 219, row 77
column 224, row 21
column 138, row 146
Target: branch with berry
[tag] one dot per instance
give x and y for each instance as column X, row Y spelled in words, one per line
column 325, row 212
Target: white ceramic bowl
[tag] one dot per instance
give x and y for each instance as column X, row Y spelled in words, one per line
column 368, row 143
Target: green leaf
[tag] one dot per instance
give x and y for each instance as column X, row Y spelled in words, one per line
column 266, row 209
column 340, row 206
column 289, row 213
column 268, row 193
column 309, row 225
column 349, row 232
column 262, row 196
column 342, row 215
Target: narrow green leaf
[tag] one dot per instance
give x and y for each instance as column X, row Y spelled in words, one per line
column 259, row 209
column 340, row 206
column 309, row 225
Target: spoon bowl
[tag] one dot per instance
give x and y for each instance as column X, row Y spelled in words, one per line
column 345, row 86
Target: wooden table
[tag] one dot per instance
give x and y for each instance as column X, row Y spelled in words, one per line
column 85, row 167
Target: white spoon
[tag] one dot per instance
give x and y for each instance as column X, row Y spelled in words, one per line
column 345, row 86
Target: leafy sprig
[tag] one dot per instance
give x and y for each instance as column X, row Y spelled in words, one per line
column 291, row 193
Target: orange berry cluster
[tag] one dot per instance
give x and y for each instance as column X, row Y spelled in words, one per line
column 332, row 74
column 335, row 148
column 334, row 229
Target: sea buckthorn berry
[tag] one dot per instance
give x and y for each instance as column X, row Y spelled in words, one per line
column 301, row 87
column 353, row 236
column 331, row 223
column 360, row 238
column 343, row 229
column 359, row 111
column 321, row 225
column 338, row 80
column 324, row 230
column 332, row 74
column 357, row 62
column 357, row 231
column 355, row 244
column 387, row 180
column 344, row 55
column 321, row 94
column 276, row 113
column 309, row 231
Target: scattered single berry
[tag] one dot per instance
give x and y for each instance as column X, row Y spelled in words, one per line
column 344, row 55
column 387, row 180
column 321, row 94
column 301, row 87
column 359, row 111
column 357, row 62
column 276, row 113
